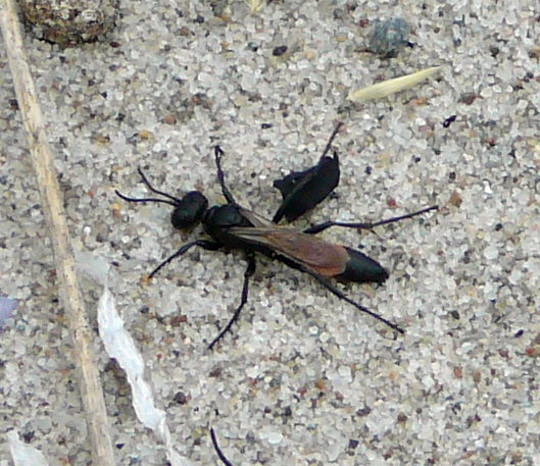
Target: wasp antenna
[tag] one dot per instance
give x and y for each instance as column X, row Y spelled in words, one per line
column 132, row 199
column 154, row 190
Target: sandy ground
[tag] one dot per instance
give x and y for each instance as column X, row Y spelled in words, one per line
column 304, row 378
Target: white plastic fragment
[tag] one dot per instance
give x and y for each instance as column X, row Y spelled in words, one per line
column 7, row 306
column 23, row 454
column 120, row 345
column 391, row 86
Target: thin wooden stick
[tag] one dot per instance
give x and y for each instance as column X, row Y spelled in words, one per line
column 42, row 160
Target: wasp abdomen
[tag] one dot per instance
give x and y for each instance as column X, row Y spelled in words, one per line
column 361, row 268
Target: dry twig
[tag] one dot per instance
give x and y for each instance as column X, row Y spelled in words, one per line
column 42, row 160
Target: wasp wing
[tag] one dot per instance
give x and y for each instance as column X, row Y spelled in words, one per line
column 319, row 256
column 303, row 190
column 258, row 221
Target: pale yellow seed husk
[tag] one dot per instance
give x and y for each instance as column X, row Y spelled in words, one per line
column 391, row 86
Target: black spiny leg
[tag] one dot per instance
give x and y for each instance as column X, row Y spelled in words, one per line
column 221, row 176
column 250, row 270
column 209, row 245
column 331, row 140
column 332, row 288
column 365, row 226
column 220, row 453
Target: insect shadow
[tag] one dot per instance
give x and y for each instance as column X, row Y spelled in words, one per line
column 231, row 226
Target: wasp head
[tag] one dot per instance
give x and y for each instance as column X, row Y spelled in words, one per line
column 189, row 210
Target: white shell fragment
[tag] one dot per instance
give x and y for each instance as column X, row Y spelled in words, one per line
column 391, row 86
column 23, row 454
column 120, row 345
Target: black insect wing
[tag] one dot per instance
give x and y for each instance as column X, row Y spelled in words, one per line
column 303, row 190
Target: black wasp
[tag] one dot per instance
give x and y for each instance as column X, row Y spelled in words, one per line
column 231, row 226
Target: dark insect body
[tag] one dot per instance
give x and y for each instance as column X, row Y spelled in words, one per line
column 231, row 226
column 449, row 121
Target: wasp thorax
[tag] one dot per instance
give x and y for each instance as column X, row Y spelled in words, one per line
column 189, row 210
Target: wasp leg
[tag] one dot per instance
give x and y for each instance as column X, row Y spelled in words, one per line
column 220, row 453
column 221, row 176
column 209, row 245
column 250, row 270
column 333, row 289
column 365, row 226
column 331, row 140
